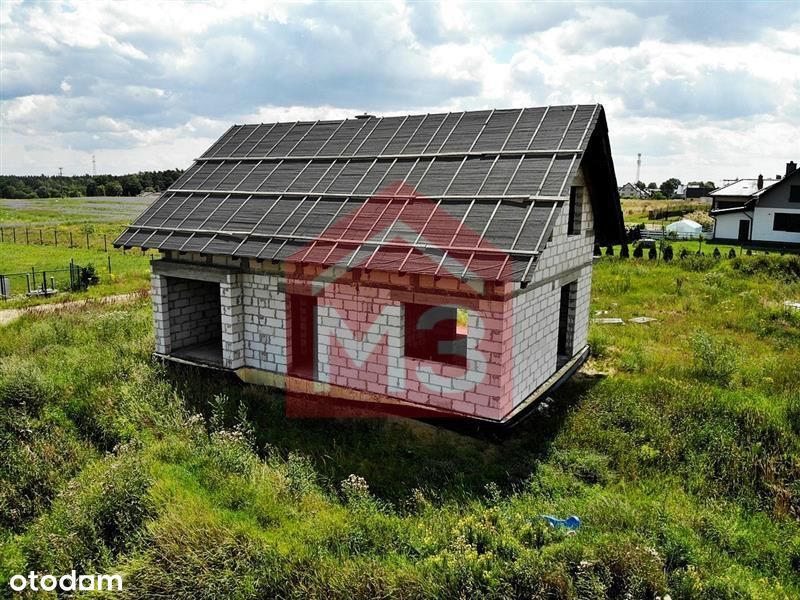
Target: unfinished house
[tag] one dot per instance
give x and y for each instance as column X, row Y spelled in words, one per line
column 439, row 263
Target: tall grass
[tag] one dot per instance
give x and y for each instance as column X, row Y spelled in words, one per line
column 682, row 464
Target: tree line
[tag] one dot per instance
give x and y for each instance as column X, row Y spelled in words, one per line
column 667, row 188
column 75, row 186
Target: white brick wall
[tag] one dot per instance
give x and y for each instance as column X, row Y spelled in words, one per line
column 264, row 322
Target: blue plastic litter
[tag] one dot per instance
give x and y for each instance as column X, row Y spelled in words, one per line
column 572, row 523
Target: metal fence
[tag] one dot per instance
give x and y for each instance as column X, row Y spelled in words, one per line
column 47, row 282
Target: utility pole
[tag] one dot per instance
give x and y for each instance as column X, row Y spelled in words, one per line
column 94, row 167
column 61, row 180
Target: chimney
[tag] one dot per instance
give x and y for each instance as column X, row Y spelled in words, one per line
column 791, row 166
column 761, row 182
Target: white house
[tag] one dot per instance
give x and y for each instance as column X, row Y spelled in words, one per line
column 759, row 211
column 630, row 190
column 433, row 265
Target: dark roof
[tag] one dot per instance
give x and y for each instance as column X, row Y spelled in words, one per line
column 470, row 193
column 754, row 197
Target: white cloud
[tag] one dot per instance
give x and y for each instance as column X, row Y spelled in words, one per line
column 702, row 91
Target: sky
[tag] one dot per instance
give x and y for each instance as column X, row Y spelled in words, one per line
column 703, row 90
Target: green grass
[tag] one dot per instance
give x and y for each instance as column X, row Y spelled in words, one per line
column 129, row 272
column 681, row 458
column 44, row 212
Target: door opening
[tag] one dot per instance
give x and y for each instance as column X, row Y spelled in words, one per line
column 302, row 336
column 744, row 230
column 566, row 322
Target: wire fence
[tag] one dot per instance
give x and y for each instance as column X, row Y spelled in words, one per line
column 60, row 237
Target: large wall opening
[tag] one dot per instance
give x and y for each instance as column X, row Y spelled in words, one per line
column 566, row 323
column 195, row 320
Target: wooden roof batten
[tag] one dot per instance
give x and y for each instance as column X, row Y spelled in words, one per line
column 282, row 211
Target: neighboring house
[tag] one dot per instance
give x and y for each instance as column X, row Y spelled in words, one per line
column 434, row 265
column 629, row 190
column 694, row 190
column 759, row 211
column 680, row 192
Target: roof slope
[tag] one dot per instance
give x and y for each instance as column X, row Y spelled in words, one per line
column 474, row 193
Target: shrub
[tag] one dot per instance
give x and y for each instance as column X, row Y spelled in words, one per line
column 597, row 251
column 652, row 254
column 715, row 361
column 731, row 253
column 667, row 253
column 638, row 251
column 610, row 251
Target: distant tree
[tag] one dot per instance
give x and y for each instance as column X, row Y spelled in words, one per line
column 91, row 188
column 652, row 185
column 42, row 192
column 131, row 185
column 669, row 186
column 100, row 190
column 710, row 184
column 640, row 185
column 114, row 188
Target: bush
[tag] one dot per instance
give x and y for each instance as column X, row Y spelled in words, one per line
column 667, row 253
column 715, row 361
column 638, row 251
column 610, row 251
column 652, row 254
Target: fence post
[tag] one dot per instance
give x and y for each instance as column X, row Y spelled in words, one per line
column 14, row 233
column 71, row 245
column 109, row 264
column 1, row 235
column 105, row 243
column 28, row 282
column 55, row 235
column 41, row 238
column 27, row 239
column 87, row 240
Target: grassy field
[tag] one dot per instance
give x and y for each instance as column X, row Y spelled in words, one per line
column 129, row 272
column 62, row 211
column 52, row 220
column 678, row 448
column 636, row 211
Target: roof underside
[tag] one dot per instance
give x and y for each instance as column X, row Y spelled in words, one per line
column 469, row 194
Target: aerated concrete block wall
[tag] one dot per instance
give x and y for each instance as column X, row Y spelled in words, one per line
column 193, row 312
